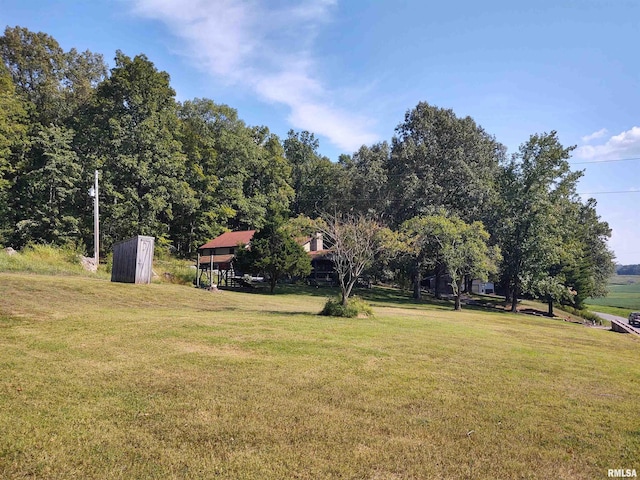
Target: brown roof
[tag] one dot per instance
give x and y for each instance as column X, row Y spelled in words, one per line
column 217, row 259
column 230, row 239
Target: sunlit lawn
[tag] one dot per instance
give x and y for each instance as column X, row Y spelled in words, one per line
column 102, row 380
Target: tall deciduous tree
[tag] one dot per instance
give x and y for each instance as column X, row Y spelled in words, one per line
column 533, row 187
column 238, row 173
column 442, row 241
column 143, row 168
column 440, row 160
column 315, row 179
column 83, row 72
column 586, row 262
column 36, row 63
column 366, row 187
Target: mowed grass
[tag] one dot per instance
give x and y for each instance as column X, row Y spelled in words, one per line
column 623, row 297
column 102, row 380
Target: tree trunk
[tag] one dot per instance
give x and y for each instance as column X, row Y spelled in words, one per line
column 436, row 287
column 417, row 278
column 508, row 294
column 514, row 299
column 346, row 291
column 272, row 283
column 458, row 305
column 550, row 303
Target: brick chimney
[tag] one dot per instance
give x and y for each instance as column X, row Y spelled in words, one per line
column 316, row 242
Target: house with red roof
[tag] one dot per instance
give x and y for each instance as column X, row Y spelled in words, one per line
column 218, row 254
column 215, row 258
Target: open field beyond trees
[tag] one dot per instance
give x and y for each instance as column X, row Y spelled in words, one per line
column 102, row 380
column 623, row 297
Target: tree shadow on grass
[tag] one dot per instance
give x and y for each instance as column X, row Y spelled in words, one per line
column 291, row 313
column 390, row 297
column 378, row 296
column 287, row 289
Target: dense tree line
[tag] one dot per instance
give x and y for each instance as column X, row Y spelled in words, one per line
column 449, row 199
column 628, row 269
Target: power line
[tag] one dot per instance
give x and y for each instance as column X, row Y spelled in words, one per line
column 590, row 162
column 397, row 200
column 613, row 191
column 635, row 159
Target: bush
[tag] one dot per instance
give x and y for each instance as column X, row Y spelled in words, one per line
column 586, row 314
column 355, row 308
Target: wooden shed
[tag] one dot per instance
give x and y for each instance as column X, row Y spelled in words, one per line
column 133, row 260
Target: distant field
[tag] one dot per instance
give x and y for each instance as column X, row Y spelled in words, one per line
column 623, row 298
column 101, row 380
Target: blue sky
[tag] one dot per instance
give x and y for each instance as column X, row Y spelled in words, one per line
column 349, row 70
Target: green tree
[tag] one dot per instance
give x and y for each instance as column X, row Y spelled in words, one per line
column 466, row 254
column 13, row 142
column 36, row 63
column 275, row 253
column 534, row 187
column 315, row 179
column 56, row 89
column 423, row 239
column 450, row 245
column 586, row 262
column 47, row 190
column 628, row 269
column 83, row 72
column 440, row 160
column 302, row 226
column 136, row 149
column 238, row 173
column 551, row 289
column 366, row 186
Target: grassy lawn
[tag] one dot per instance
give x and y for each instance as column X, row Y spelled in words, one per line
column 623, row 298
column 102, row 380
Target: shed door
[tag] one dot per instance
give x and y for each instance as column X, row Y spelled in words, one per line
column 145, row 260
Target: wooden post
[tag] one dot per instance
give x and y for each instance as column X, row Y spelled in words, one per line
column 198, row 271
column 96, row 223
column 211, row 269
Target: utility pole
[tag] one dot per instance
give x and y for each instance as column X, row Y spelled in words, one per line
column 93, row 192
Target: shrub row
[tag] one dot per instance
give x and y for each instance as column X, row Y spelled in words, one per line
column 586, row 314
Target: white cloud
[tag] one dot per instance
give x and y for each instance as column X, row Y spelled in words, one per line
column 624, row 145
column 267, row 50
column 595, row 135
